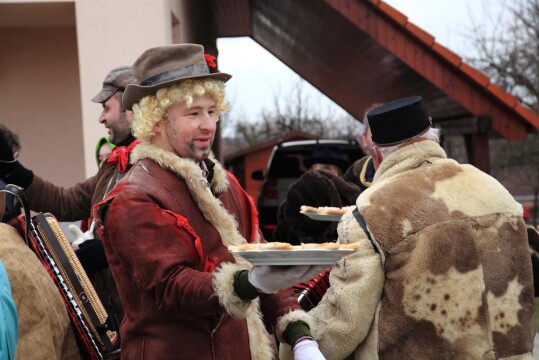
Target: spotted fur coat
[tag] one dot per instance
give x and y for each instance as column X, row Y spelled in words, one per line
column 446, row 276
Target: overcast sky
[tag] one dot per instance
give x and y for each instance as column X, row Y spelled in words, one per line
column 258, row 75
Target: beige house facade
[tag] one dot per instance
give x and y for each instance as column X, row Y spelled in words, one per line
column 54, row 56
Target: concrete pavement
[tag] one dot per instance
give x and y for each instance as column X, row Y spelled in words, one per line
column 536, row 347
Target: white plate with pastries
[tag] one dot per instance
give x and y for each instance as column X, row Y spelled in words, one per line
column 325, row 213
column 282, row 254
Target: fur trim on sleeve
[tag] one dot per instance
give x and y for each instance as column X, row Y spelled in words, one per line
column 223, row 284
column 285, row 349
column 292, row 316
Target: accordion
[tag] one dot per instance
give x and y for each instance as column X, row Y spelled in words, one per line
column 310, row 292
column 95, row 330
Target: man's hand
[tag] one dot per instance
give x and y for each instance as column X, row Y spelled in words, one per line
column 80, row 236
column 307, row 350
column 11, row 171
column 6, row 152
column 271, row 279
column 92, row 256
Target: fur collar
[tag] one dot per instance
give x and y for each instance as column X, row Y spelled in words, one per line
column 409, row 157
column 187, row 169
column 210, row 206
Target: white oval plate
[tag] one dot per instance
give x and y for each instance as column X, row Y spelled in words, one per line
column 322, row 217
column 293, row 257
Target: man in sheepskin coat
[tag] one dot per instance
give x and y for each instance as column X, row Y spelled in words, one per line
column 443, row 270
column 167, row 224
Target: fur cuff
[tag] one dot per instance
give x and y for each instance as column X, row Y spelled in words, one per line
column 223, row 284
column 292, row 316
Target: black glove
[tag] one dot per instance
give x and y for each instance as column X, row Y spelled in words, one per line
column 91, row 254
column 11, row 171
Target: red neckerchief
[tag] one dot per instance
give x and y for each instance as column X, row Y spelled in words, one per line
column 120, row 155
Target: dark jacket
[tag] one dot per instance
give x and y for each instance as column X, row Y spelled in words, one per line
column 73, row 204
column 533, row 243
column 314, row 188
column 69, row 204
column 360, row 173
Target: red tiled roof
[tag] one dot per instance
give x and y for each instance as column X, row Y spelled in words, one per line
column 360, row 52
column 478, row 77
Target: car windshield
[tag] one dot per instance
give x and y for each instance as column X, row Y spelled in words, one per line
column 287, row 164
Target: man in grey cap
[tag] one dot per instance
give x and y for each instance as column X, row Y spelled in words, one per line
column 114, row 116
column 75, row 203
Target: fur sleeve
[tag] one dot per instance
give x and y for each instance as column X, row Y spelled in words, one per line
column 223, row 284
column 345, row 315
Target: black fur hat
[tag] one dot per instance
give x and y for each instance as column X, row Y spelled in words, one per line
column 397, row 121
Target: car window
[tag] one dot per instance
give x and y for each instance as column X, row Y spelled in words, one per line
column 286, row 165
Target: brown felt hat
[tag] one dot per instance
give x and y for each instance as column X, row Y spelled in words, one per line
column 163, row 66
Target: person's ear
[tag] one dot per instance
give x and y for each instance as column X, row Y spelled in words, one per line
column 364, row 141
column 158, row 128
column 129, row 116
column 376, row 157
column 159, row 133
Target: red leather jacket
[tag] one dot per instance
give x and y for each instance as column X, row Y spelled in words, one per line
column 164, row 237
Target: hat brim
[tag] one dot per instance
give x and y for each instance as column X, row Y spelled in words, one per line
column 104, row 94
column 341, row 163
column 135, row 92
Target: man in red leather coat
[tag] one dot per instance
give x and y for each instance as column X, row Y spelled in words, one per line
column 167, row 224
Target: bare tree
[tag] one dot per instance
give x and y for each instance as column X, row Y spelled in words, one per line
column 508, row 51
column 291, row 111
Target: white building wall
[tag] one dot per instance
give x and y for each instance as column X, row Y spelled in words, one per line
column 40, row 99
column 54, row 55
column 112, row 33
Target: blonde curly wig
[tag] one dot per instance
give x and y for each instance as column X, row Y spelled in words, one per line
column 153, row 108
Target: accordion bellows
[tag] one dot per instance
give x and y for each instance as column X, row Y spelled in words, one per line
column 88, row 296
column 88, row 316
column 310, row 292
column 95, row 330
